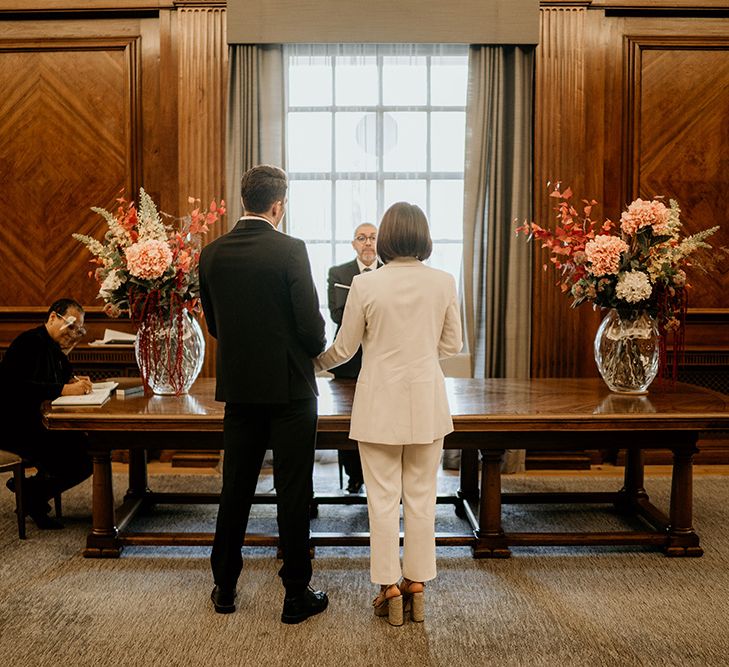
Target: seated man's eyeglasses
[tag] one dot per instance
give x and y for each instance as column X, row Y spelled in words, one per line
column 361, row 238
column 72, row 326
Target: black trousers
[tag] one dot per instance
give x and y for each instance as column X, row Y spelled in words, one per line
column 352, row 464
column 248, row 431
column 61, row 458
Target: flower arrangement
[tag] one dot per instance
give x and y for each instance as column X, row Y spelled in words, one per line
column 149, row 269
column 637, row 264
column 145, row 265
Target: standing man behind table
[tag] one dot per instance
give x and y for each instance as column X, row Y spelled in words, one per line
column 338, row 283
column 35, row 368
column 261, row 305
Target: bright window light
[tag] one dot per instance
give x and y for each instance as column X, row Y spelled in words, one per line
column 367, row 126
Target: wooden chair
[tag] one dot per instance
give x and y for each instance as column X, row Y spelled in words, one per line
column 10, row 462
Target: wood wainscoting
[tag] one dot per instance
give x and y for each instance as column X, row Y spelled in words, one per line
column 99, row 95
column 631, row 101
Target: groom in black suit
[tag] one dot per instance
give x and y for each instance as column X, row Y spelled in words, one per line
column 260, row 304
column 338, row 283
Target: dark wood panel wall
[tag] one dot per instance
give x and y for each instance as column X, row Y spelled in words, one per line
column 117, row 96
column 632, row 99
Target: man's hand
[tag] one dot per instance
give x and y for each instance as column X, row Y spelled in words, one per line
column 77, row 386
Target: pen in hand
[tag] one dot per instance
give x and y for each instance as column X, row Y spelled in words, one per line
column 85, row 380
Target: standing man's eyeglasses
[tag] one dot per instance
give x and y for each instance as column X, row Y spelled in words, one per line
column 361, row 238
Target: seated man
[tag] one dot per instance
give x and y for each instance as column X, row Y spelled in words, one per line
column 339, row 279
column 35, row 368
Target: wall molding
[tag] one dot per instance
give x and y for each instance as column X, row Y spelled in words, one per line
column 634, row 47
column 202, row 103
column 56, row 6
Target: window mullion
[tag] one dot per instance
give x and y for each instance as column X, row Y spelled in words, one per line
column 332, row 175
column 428, row 140
column 380, row 130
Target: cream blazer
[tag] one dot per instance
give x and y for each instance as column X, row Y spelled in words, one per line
column 405, row 316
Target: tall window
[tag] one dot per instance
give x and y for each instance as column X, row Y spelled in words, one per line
column 369, row 125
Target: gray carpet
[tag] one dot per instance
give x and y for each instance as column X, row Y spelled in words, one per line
column 557, row 606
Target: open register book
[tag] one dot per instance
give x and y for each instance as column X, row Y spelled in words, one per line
column 113, row 337
column 100, row 393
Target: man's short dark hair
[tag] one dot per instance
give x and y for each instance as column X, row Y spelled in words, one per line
column 261, row 186
column 61, row 306
column 404, row 232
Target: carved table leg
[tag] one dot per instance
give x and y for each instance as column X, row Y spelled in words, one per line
column 682, row 539
column 468, row 490
column 469, row 475
column 137, row 474
column 102, row 541
column 490, row 539
column 633, row 488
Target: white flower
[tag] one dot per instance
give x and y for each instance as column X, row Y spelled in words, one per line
column 111, row 283
column 94, row 246
column 694, row 242
column 116, row 235
column 150, row 224
column 674, row 219
column 633, row 287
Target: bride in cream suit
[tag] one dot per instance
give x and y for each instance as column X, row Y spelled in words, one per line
column 405, row 316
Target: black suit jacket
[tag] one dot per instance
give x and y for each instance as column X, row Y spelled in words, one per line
column 261, row 305
column 34, row 369
column 343, row 275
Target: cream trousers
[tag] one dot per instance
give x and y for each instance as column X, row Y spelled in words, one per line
column 391, row 473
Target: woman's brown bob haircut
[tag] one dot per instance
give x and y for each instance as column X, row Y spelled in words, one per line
column 404, row 232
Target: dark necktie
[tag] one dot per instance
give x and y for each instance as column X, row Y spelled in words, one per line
column 366, row 269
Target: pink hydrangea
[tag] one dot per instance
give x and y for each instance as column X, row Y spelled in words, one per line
column 603, row 253
column 643, row 214
column 148, row 259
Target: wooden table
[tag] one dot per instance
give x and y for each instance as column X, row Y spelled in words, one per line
column 489, row 416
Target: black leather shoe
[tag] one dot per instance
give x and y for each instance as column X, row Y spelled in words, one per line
column 223, row 600
column 300, row 606
column 45, row 522
column 354, row 486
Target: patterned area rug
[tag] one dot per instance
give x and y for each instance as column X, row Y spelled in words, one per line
column 544, row 606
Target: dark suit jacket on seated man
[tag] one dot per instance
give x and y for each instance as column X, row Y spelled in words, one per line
column 35, row 368
column 261, row 305
column 339, row 279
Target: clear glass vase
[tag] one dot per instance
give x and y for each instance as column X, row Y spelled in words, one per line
column 170, row 352
column 626, row 351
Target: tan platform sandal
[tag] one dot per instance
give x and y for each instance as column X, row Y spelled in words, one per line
column 413, row 593
column 389, row 603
